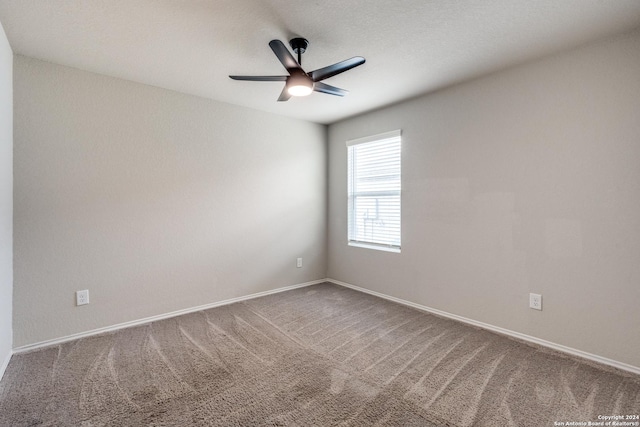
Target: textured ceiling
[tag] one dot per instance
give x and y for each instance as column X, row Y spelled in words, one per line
column 411, row 46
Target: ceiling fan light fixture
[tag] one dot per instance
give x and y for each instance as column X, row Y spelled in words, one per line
column 299, row 86
column 300, row 90
column 299, row 82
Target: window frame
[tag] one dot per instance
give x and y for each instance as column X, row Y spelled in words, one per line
column 396, row 136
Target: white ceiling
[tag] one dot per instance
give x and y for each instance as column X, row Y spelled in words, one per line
column 411, row 46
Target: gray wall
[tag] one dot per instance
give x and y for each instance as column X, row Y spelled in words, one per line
column 527, row 180
column 153, row 200
column 6, row 198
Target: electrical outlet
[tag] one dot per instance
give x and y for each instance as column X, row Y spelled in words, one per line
column 299, row 262
column 535, row 301
column 82, row 297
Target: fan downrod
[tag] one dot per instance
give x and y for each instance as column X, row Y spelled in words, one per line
column 299, row 46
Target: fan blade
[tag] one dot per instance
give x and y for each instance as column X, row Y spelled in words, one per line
column 284, row 55
column 332, row 70
column 284, row 95
column 331, row 90
column 261, row 78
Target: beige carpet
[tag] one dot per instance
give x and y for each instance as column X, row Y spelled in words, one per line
column 317, row 356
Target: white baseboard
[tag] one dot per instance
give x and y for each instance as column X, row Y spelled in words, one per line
column 5, row 363
column 518, row 335
column 112, row 328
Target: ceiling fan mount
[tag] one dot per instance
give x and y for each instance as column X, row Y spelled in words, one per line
column 299, row 45
column 299, row 82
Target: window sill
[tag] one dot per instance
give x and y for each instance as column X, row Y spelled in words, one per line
column 376, row 247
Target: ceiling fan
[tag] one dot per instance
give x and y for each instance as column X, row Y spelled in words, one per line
column 298, row 82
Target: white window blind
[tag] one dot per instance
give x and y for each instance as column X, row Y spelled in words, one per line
column 374, row 191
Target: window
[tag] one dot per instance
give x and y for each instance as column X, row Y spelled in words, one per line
column 374, row 191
